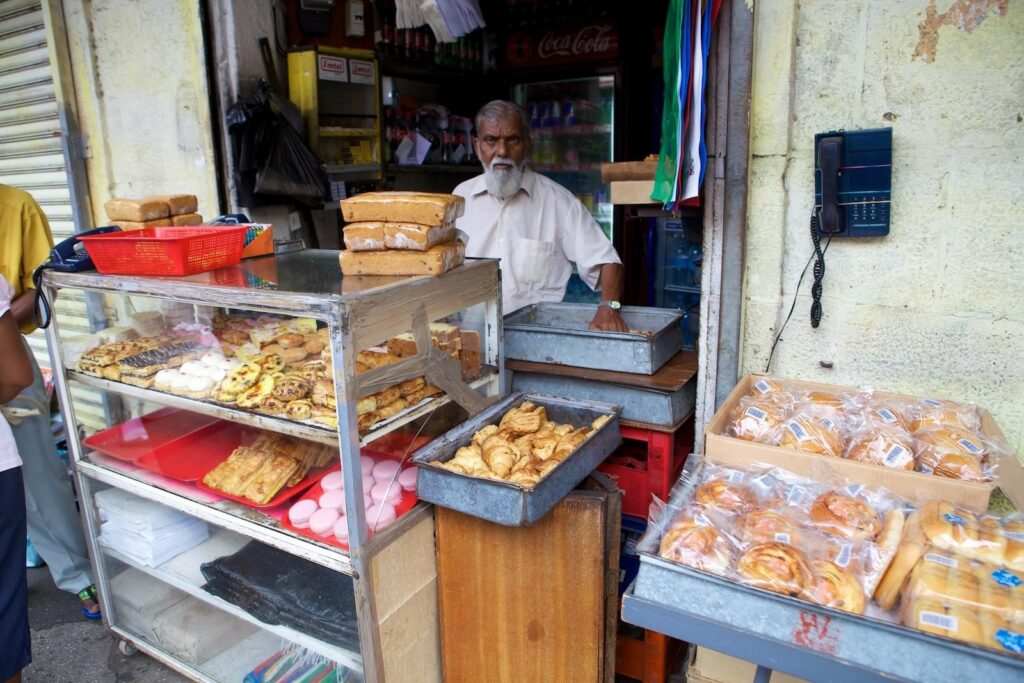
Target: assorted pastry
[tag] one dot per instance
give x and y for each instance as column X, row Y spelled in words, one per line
column 522, row 448
column 259, row 471
column 939, row 568
column 775, row 531
column 927, row 435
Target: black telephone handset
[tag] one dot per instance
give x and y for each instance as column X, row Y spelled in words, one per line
column 829, row 219
column 69, row 256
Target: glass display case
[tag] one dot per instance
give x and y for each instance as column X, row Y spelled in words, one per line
column 250, row 500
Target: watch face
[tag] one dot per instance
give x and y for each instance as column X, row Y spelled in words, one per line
column 614, row 305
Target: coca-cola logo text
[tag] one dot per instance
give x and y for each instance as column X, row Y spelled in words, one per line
column 589, row 40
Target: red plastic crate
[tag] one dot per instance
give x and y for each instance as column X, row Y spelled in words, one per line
column 648, row 464
column 166, row 251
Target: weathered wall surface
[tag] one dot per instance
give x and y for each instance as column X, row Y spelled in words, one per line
column 143, row 101
column 937, row 307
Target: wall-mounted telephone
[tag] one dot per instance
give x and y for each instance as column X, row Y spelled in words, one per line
column 853, row 182
column 69, row 256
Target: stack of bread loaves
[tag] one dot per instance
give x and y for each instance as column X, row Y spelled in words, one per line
column 153, row 212
column 401, row 233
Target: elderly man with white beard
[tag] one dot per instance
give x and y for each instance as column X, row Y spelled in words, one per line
column 535, row 226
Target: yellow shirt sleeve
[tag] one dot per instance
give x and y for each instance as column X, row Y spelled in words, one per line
column 36, row 242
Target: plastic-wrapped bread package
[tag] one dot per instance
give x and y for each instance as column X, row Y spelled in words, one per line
column 885, row 446
column 954, row 453
column 958, row 530
column 755, row 419
column 838, row 407
column 772, row 389
column 403, row 207
column 982, row 628
column 811, row 430
column 364, row 236
column 692, row 540
column 1013, row 532
column 886, row 412
column 956, row 581
column 930, row 412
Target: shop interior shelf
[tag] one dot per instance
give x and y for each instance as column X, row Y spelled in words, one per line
column 335, row 169
column 235, row 662
column 183, row 572
column 324, row 435
column 224, row 514
column 463, row 169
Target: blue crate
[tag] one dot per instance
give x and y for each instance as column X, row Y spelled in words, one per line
column 629, row 561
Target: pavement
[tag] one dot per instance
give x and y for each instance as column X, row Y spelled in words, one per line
column 68, row 648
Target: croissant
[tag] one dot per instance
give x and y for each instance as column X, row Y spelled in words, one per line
column 525, row 442
column 547, row 427
column 500, row 456
column 570, row 442
column 562, row 430
column 525, row 478
column 468, row 458
column 484, row 434
column 599, row 422
column 525, row 462
column 547, row 466
column 543, row 445
column 523, row 421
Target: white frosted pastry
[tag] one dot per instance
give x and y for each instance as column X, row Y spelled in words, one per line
column 193, row 368
column 199, row 387
column 211, row 359
column 180, row 383
column 229, row 364
column 163, row 379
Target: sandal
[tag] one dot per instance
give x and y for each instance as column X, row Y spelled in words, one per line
column 90, row 605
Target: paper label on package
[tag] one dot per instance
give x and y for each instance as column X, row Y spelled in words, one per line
column 756, row 413
column 942, row 559
column 1013, row 535
column 762, row 386
column 954, row 519
column 781, row 538
column 844, row 554
column 1014, row 642
column 931, row 402
column 1006, row 578
column 940, row 620
column 827, row 423
column 970, row 446
column 896, row 456
column 701, row 519
column 854, row 489
column 332, row 68
column 797, row 431
column 886, row 416
column 734, row 476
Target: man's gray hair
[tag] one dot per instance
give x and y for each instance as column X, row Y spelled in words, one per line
column 495, row 110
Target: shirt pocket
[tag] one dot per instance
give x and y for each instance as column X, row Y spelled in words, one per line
column 532, row 260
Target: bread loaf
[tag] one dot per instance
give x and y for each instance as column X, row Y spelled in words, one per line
column 416, row 237
column 187, row 219
column 403, row 207
column 137, row 210
column 403, row 346
column 435, row 261
column 364, row 236
column 133, row 225
column 178, row 204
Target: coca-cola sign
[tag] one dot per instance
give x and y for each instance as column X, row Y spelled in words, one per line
column 587, row 43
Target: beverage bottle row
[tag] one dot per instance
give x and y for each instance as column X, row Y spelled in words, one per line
column 466, row 55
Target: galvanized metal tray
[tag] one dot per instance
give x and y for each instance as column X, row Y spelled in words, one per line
column 664, row 408
column 503, row 502
column 557, row 333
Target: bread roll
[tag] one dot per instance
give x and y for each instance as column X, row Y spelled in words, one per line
column 187, row 219
column 416, row 237
column 968, row 629
column 810, row 434
column 725, row 495
column 961, row 531
column 911, row 548
column 755, row 419
column 841, row 515
column 403, row 207
column 137, row 210
column 769, row 388
column 1013, row 532
column 886, row 446
column 884, row 412
column 696, row 543
column 836, row 587
column 999, row 634
column 777, row 567
column 435, row 261
column 366, row 236
column 930, row 616
column 178, row 204
column 929, row 413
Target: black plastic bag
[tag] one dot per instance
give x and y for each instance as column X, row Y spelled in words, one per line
column 290, row 169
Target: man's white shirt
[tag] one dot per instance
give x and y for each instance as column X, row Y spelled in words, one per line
column 538, row 233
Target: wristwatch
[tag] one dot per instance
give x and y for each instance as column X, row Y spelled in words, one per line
column 614, row 305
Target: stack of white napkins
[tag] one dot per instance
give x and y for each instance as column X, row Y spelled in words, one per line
column 146, row 532
column 448, row 19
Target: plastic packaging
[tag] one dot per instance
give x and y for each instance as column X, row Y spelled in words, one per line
column 953, row 452
column 956, row 581
column 810, row 430
column 885, row 446
column 930, row 412
column 755, row 419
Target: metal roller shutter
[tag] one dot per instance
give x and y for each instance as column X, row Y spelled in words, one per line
column 32, row 157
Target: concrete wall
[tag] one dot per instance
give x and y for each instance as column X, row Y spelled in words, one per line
column 936, row 307
column 143, row 101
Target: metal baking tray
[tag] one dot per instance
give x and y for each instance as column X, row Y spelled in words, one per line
column 639, row 404
column 557, row 333
column 503, row 502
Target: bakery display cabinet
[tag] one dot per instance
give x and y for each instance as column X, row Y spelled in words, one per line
column 250, row 502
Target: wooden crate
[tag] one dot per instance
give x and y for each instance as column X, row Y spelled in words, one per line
column 537, row 603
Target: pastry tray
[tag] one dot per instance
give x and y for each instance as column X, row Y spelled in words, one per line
column 558, row 333
column 162, row 432
column 503, row 502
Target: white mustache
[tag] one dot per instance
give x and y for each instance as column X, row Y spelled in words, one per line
column 503, row 161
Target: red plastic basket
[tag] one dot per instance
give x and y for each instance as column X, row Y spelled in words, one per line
column 166, row 251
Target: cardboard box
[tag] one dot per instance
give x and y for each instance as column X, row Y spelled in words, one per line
column 714, row 667
column 632, row 192
column 726, row 450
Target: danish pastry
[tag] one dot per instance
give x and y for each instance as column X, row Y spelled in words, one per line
column 885, row 446
column 833, row 586
column 776, row 567
column 841, row 515
column 807, row 433
column 299, row 410
column 763, row 525
column 931, row 412
column 724, row 495
column 753, row 419
column 695, row 544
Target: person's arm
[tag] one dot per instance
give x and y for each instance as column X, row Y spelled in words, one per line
column 21, row 307
column 15, row 369
column 610, row 282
